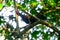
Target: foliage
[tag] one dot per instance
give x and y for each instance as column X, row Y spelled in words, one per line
column 51, row 10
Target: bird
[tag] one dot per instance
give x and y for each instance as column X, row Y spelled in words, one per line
column 30, row 19
column 26, row 18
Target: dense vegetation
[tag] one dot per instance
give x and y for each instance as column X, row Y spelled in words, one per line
column 43, row 17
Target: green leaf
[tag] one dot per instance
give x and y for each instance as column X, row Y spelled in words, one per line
column 58, row 4
column 45, row 8
column 1, row 31
column 52, row 4
column 11, row 2
column 7, row 33
column 33, row 4
column 46, row 36
column 33, row 12
column 1, row 21
column 21, row 7
column 1, row 6
column 8, row 37
column 11, row 27
column 34, row 34
column 8, row 3
column 45, row 1
column 26, row 1
column 32, row 1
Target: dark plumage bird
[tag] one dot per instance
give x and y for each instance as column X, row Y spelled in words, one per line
column 26, row 19
column 31, row 19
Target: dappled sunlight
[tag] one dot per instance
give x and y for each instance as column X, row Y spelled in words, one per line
column 2, row 37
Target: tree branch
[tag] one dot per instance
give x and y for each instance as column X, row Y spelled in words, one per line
column 41, row 22
column 57, row 8
column 44, row 22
